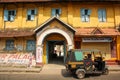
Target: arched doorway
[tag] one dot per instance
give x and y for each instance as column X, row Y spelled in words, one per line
column 41, row 56
column 55, row 48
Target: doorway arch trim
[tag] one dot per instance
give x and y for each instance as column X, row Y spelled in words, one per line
column 41, row 37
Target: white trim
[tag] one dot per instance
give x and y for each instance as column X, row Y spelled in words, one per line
column 39, row 54
column 40, row 38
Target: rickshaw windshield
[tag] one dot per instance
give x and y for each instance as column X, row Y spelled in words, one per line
column 78, row 55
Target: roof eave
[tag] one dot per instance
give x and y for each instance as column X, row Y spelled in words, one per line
column 54, row 17
column 15, row 1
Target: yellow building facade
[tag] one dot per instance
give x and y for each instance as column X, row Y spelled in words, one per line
column 62, row 24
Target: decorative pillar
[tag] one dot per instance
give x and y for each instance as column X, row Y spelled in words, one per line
column 113, row 49
column 39, row 54
column 70, row 47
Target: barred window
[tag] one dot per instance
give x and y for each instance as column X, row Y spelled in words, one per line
column 10, row 45
column 31, row 14
column 31, row 45
column 102, row 15
column 85, row 15
column 9, row 15
column 56, row 12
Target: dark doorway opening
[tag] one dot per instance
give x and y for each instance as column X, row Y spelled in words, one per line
column 56, row 50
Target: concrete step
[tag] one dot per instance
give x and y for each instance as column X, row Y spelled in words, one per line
column 11, row 69
column 114, row 67
column 19, row 68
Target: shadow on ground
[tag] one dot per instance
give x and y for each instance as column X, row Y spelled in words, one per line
column 66, row 74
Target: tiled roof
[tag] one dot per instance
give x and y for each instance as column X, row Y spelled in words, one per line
column 79, row 32
column 50, row 20
column 4, row 1
column 16, row 33
column 88, row 32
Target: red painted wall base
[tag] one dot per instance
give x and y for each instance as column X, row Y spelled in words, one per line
column 39, row 64
column 112, row 62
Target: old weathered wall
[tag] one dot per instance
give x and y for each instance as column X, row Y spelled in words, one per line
column 70, row 14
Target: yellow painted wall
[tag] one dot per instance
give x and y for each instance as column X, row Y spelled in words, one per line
column 94, row 16
column 104, row 47
column 26, row 23
column 17, row 42
column 70, row 14
column 1, row 18
column 8, row 24
column 117, row 15
column 117, row 23
column 118, row 47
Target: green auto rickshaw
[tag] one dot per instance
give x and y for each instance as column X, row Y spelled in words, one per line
column 81, row 62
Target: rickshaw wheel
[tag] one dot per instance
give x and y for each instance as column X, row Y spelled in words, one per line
column 81, row 74
column 106, row 72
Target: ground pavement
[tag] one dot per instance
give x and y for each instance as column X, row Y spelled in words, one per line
column 46, row 68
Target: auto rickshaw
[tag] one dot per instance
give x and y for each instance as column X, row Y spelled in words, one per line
column 81, row 62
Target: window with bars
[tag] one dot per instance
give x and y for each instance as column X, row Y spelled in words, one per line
column 85, row 15
column 102, row 15
column 31, row 14
column 56, row 12
column 31, row 45
column 9, row 45
column 9, row 15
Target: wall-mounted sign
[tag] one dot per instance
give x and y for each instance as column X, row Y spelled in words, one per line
column 17, row 58
column 95, row 39
column 39, row 55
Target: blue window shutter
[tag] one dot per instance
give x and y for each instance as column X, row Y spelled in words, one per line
column 89, row 12
column 82, row 11
column 87, row 18
column 104, row 15
column 5, row 15
column 53, row 12
column 83, row 18
column 32, row 17
column 33, row 45
column 12, row 18
column 29, row 12
column 60, row 11
column 30, row 45
column 100, row 15
column 9, row 44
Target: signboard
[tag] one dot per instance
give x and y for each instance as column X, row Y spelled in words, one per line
column 93, row 39
column 16, row 58
column 39, row 55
